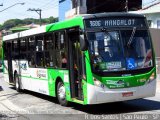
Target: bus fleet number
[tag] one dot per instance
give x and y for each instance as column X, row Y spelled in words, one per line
column 95, row 23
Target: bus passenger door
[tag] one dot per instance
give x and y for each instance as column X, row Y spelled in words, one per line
column 9, row 59
column 75, row 64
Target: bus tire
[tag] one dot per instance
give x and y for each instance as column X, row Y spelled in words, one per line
column 17, row 83
column 61, row 94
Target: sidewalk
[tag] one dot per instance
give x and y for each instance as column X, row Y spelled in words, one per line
column 158, row 83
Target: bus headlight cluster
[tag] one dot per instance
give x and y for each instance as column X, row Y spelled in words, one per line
column 151, row 78
column 98, row 83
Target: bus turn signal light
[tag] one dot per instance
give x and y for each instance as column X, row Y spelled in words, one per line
column 151, row 78
column 98, row 83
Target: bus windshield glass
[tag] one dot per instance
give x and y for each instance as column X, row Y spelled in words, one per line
column 117, row 50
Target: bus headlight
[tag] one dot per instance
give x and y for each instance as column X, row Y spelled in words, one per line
column 151, row 78
column 98, row 83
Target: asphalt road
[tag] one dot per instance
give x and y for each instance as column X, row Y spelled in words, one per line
column 30, row 105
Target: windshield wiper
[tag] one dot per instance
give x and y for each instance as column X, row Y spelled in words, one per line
column 131, row 37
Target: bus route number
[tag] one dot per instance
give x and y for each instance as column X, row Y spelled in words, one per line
column 96, row 23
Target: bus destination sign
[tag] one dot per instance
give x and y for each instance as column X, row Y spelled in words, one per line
column 92, row 23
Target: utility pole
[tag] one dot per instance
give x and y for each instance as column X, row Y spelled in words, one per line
column 39, row 13
column 76, row 4
column 126, row 6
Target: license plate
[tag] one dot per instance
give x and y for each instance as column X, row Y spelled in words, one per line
column 127, row 94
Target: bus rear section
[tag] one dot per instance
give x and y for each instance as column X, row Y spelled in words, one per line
column 122, row 64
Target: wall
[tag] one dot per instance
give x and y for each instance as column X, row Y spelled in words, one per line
column 154, row 17
column 63, row 8
column 155, row 33
column 81, row 9
column 99, row 6
column 146, row 3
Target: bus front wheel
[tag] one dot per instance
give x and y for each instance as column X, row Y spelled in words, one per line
column 61, row 94
column 17, row 82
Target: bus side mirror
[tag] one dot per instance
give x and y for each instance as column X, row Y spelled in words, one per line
column 83, row 42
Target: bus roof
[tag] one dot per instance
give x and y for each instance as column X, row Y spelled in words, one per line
column 76, row 21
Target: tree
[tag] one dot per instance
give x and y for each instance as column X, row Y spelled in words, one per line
column 9, row 24
column 17, row 22
column 0, row 27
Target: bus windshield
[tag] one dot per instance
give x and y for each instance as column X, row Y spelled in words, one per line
column 118, row 50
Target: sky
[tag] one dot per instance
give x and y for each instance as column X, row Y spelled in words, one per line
column 148, row 2
column 49, row 8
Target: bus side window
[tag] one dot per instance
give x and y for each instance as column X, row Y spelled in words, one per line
column 31, row 53
column 57, row 50
column 15, row 48
column 23, row 48
column 39, row 51
column 5, row 50
column 48, row 47
column 63, row 60
column 60, row 50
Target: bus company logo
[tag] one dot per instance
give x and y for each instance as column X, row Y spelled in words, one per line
column 120, row 82
column 41, row 73
column 23, row 66
column 117, row 83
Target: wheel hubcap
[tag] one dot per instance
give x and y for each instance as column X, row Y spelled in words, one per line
column 61, row 92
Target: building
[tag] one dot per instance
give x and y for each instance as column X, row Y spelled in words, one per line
column 20, row 28
column 64, row 5
column 147, row 3
column 77, row 7
column 151, row 9
column 152, row 13
column 98, row 6
column 70, row 8
column 95, row 6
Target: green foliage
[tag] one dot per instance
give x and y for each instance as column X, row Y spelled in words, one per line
column 0, row 26
column 11, row 23
column 17, row 22
column 0, row 53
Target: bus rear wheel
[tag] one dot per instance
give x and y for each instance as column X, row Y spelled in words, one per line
column 61, row 94
column 17, row 82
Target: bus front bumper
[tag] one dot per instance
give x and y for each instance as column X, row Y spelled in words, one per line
column 97, row 95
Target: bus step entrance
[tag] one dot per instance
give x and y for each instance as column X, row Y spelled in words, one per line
column 78, row 90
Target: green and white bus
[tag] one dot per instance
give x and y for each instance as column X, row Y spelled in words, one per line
column 88, row 59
